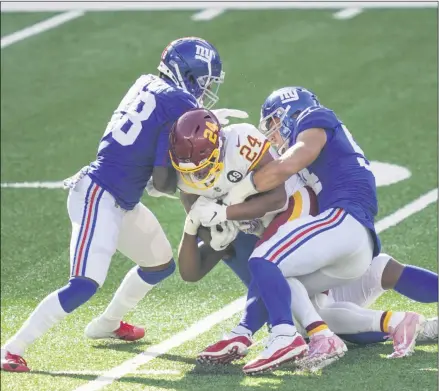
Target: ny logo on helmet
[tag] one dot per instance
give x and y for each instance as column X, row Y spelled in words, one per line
column 289, row 96
column 203, row 53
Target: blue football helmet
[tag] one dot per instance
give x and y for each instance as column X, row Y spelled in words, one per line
column 194, row 65
column 280, row 111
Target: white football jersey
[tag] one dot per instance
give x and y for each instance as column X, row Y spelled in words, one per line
column 243, row 147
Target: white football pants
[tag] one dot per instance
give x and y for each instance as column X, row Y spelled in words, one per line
column 100, row 226
column 322, row 252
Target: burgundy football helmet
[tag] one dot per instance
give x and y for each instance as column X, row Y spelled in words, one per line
column 196, row 148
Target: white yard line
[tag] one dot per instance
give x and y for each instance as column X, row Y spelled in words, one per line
column 34, row 185
column 39, row 27
column 347, row 13
column 154, row 372
column 208, row 14
column 152, row 352
column 59, row 6
column 229, row 310
column 406, row 211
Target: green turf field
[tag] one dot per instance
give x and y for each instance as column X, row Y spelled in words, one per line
column 378, row 71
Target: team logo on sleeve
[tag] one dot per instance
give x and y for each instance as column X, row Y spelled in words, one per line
column 234, row 176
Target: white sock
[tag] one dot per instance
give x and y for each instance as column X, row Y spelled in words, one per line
column 48, row 312
column 241, row 330
column 302, row 307
column 285, row 329
column 348, row 318
column 130, row 292
column 395, row 319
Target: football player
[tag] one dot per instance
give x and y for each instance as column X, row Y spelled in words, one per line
column 210, row 160
column 339, row 308
column 104, row 198
column 308, row 250
column 196, row 261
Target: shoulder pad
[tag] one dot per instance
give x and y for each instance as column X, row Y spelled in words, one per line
column 317, row 117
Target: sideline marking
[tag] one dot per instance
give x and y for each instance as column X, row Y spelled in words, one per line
column 208, row 14
column 39, row 27
column 347, row 13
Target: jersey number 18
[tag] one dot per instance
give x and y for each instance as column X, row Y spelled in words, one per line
column 136, row 107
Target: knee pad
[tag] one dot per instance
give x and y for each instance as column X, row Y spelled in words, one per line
column 154, row 277
column 76, row 292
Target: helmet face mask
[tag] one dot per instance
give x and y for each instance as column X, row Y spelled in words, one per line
column 196, row 149
column 205, row 175
column 210, row 86
column 274, row 127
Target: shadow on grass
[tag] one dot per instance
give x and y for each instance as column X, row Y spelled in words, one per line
column 361, row 368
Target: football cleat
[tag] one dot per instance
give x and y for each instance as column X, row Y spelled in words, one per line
column 125, row 332
column 405, row 333
column 281, row 348
column 323, row 351
column 430, row 332
column 13, row 362
column 233, row 346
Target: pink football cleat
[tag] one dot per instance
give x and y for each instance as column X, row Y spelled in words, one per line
column 125, row 332
column 405, row 333
column 232, row 347
column 13, row 362
column 323, row 350
column 281, row 348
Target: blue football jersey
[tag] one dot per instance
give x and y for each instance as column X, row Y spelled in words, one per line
column 136, row 138
column 341, row 175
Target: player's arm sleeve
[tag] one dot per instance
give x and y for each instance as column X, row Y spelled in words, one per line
column 318, row 118
column 164, row 175
column 162, row 158
column 176, row 105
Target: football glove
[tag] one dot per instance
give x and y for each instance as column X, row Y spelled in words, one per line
column 254, row 227
column 153, row 192
column 223, row 114
column 191, row 225
column 208, row 212
column 222, row 235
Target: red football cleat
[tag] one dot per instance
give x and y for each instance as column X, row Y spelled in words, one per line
column 129, row 332
column 125, row 332
column 232, row 347
column 281, row 348
column 13, row 362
